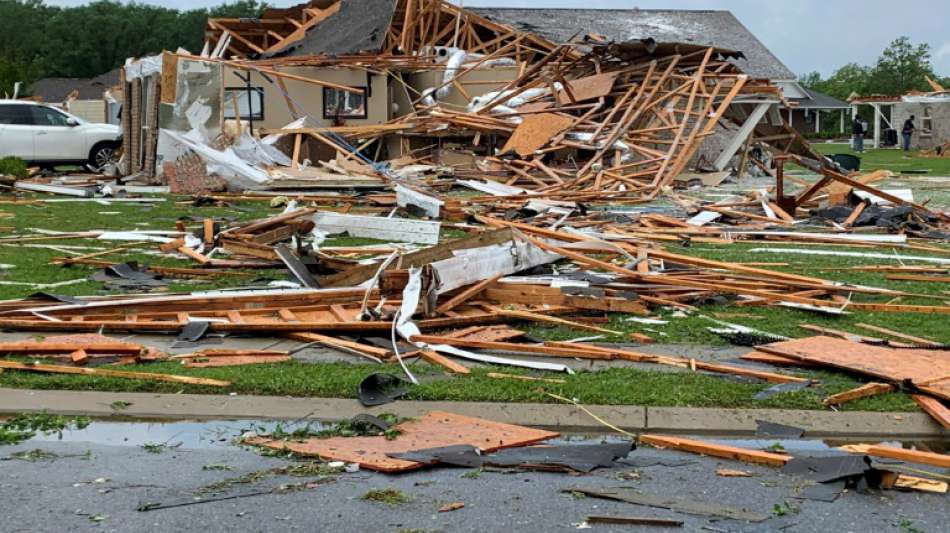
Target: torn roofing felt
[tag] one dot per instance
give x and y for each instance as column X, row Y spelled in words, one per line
column 358, row 26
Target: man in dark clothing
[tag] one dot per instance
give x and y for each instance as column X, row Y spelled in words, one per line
column 908, row 132
column 857, row 135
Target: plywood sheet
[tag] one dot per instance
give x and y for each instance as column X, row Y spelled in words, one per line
column 535, row 132
column 589, row 87
column 432, row 430
column 928, row 369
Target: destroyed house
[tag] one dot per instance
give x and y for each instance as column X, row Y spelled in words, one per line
column 384, row 78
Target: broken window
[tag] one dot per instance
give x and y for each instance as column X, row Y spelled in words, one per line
column 250, row 102
column 926, row 124
column 344, row 104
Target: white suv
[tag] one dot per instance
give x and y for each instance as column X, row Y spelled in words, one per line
column 46, row 136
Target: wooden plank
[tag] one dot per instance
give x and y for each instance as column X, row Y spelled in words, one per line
column 935, row 408
column 466, row 294
column 715, row 450
column 49, row 348
column 890, row 452
column 441, row 360
column 868, row 389
column 148, row 376
column 208, row 228
column 897, row 334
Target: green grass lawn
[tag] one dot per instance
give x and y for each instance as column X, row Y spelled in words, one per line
column 617, row 386
column 892, row 159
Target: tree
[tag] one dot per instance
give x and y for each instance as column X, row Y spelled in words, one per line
column 37, row 40
column 811, row 80
column 902, row 68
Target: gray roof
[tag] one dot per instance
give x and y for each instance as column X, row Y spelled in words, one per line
column 819, row 100
column 359, row 26
column 57, row 89
column 704, row 27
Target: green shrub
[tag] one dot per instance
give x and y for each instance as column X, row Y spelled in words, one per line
column 13, row 166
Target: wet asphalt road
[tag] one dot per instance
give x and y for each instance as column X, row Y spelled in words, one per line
column 98, row 479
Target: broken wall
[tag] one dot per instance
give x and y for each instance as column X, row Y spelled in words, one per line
column 939, row 114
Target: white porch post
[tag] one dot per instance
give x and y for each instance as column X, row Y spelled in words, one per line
column 877, row 125
column 817, row 121
column 842, row 122
column 790, row 121
column 744, row 131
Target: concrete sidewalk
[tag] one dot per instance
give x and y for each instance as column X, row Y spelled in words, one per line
column 681, row 420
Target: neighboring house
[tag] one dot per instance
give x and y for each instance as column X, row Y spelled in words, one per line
column 805, row 115
column 94, row 99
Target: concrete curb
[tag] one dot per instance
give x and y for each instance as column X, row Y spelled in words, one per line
column 675, row 420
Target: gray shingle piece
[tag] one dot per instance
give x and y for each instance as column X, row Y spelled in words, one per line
column 705, row 27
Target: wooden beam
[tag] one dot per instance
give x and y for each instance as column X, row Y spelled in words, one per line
column 935, row 408
column 868, row 389
column 715, row 450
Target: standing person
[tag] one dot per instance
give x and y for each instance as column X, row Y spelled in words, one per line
column 857, row 135
column 908, row 132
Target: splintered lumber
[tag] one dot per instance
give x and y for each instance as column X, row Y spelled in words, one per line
column 715, row 450
column 101, row 372
column 432, row 430
column 890, row 452
column 868, row 389
column 935, row 408
column 894, row 480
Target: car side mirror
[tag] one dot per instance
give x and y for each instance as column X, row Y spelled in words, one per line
column 71, row 122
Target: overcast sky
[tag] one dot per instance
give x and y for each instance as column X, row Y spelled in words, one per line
column 806, row 35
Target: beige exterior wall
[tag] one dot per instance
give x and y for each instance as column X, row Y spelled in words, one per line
column 88, row 110
column 309, row 97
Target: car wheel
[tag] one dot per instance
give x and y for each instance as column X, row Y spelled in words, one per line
column 101, row 155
